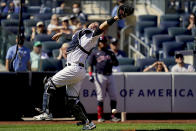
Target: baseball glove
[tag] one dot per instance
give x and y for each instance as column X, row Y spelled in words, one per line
column 124, row 11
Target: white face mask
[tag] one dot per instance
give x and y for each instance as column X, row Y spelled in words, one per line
column 76, row 10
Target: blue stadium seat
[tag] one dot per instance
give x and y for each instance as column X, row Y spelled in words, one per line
column 9, row 23
column 28, row 44
column 167, row 24
column 140, row 26
column 174, row 31
column 170, row 17
column 33, row 10
column 30, row 23
column 158, row 42
column 126, row 61
column 190, row 46
column 129, row 68
column 55, row 53
column 142, row 63
column 16, row 16
column 11, row 29
column 184, row 38
column 143, row 18
column 150, row 32
column 49, row 46
column 169, row 61
column 42, row 17
column 169, row 48
column 194, row 31
column 185, row 20
column 50, row 65
column 43, row 37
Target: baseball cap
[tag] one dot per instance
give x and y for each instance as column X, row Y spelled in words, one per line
column 179, row 55
column 66, row 18
column 37, row 43
column 39, row 23
column 114, row 41
column 103, row 39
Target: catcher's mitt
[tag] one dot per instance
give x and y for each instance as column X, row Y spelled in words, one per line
column 124, row 11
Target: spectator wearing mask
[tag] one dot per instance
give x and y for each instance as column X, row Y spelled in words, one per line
column 36, row 55
column 73, row 22
column 181, row 66
column 157, row 67
column 39, row 29
column 78, row 12
column 192, row 22
column 22, row 58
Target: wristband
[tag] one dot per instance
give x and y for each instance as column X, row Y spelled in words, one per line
column 90, row 73
column 111, row 21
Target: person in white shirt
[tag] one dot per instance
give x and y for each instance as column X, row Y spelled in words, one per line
column 181, row 66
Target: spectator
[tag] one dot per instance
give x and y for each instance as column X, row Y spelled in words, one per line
column 103, row 60
column 181, row 66
column 22, row 59
column 54, row 23
column 158, row 66
column 78, row 12
column 65, row 28
column 114, row 46
column 73, row 22
column 36, row 55
column 192, row 22
column 121, row 23
column 39, row 29
column 63, row 51
column 10, row 8
column 60, row 9
column 2, row 5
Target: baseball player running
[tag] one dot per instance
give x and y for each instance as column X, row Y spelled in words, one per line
column 103, row 60
column 80, row 47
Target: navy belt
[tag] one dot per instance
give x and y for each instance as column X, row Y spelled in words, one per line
column 79, row 64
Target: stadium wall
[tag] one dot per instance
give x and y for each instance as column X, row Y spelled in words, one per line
column 137, row 93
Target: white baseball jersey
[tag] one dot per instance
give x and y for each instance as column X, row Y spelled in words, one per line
column 72, row 75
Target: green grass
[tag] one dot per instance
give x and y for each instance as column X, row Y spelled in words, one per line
column 100, row 127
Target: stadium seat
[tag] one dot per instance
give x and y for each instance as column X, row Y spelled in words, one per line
column 30, row 23
column 174, row 31
column 143, row 18
column 46, row 23
column 184, row 38
column 128, row 68
column 140, row 26
column 28, row 44
column 190, row 46
column 170, row 17
column 49, row 46
column 9, row 23
column 33, row 9
column 169, row 61
column 142, row 63
column 42, row 17
column 150, row 32
column 167, row 24
column 55, row 53
column 194, row 32
column 169, row 48
column 43, row 37
column 11, row 29
column 16, row 16
column 50, row 65
column 64, row 62
column 125, row 61
column 157, row 41
column 185, row 20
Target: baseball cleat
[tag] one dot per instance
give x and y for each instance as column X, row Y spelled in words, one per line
column 43, row 116
column 115, row 119
column 101, row 120
column 89, row 126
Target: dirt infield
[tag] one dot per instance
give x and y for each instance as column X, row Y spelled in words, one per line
column 74, row 122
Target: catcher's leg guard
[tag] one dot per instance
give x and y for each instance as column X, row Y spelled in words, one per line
column 78, row 110
column 48, row 96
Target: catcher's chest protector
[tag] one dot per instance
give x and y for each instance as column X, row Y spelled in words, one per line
column 76, row 41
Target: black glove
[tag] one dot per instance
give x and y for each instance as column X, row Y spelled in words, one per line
column 91, row 79
column 124, row 11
